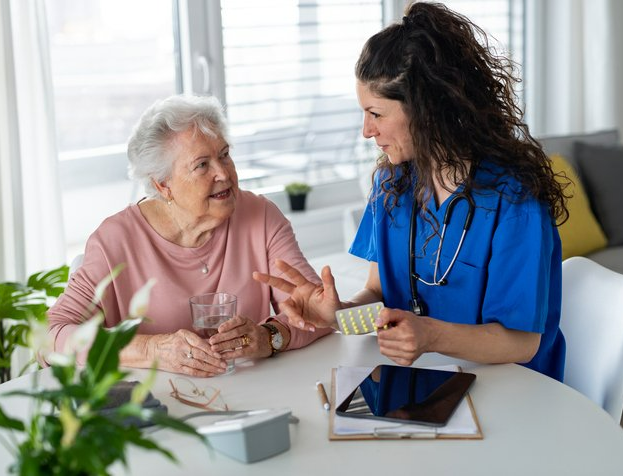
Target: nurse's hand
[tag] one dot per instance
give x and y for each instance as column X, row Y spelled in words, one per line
column 408, row 336
column 309, row 305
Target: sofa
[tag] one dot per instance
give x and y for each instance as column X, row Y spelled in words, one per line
column 594, row 163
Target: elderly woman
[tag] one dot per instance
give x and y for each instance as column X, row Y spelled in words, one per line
column 195, row 232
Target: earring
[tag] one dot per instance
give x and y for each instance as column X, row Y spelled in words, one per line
column 169, row 202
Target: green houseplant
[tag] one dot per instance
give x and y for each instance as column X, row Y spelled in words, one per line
column 20, row 302
column 297, row 193
column 72, row 430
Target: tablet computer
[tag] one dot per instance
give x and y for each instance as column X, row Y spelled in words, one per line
column 407, row 395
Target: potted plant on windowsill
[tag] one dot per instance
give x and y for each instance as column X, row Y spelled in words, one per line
column 297, row 193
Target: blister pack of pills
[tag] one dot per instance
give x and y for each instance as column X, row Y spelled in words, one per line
column 359, row 319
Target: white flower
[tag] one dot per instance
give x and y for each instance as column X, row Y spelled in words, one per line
column 103, row 284
column 140, row 300
column 39, row 340
column 60, row 360
column 82, row 338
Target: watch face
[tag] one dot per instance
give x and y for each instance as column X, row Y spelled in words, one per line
column 277, row 341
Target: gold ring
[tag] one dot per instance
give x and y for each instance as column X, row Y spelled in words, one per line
column 245, row 340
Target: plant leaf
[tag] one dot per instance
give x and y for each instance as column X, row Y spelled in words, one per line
column 164, row 420
column 63, row 371
column 99, row 393
column 140, row 391
column 148, row 444
column 18, row 304
column 16, row 334
column 71, row 424
column 11, row 423
column 104, row 353
column 51, row 282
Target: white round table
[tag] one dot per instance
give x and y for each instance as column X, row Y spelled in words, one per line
column 532, row 425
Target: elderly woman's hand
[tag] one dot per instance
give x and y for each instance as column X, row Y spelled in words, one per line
column 185, row 352
column 241, row 337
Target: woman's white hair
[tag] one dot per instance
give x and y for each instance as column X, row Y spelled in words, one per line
column 148, row 145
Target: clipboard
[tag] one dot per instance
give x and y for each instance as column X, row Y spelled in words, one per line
column 398, row 431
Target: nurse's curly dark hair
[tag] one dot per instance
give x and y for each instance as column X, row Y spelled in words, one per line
column 458, row 95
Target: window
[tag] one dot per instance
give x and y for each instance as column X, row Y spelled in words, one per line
column 282, row 68
column 108, row 65
column 107, row 68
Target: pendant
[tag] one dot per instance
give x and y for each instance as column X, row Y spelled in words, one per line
column 205, row 269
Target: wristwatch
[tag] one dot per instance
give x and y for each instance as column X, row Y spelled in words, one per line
column 275, row 338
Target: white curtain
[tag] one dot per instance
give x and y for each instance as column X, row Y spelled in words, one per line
column 40, row 191
column 31, row 227
column 12, row 257
column 574, row 66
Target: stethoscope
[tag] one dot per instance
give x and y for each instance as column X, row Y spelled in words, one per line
column 417, row 306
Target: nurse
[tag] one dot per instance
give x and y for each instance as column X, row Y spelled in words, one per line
column 460, row 227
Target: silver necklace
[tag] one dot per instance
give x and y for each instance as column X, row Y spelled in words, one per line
column 205, row 269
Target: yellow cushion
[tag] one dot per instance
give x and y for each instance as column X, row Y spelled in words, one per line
column 581, row 233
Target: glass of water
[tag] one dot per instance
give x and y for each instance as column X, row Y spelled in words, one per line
column 209, row 311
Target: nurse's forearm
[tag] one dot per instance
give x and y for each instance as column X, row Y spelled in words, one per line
column 365, row 296
column 371, row 292
column 485, row 343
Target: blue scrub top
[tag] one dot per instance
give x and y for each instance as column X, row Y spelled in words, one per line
column 509, row 269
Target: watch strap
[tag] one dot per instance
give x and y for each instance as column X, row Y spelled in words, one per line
column 272, row 330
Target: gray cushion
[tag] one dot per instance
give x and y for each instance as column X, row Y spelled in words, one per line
column 602, row 171
column 563, row 145
column 611, row 258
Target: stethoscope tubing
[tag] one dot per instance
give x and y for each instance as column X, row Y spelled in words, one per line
column 416, row 304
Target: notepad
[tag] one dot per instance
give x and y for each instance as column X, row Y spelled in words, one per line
column 463, row 423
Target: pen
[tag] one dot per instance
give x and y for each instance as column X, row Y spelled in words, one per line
column 323, row 395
